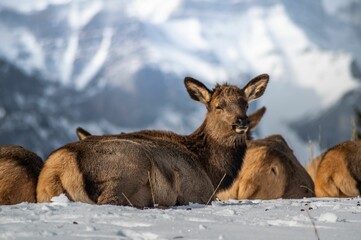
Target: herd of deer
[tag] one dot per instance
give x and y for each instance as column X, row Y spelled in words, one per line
column 161, row 168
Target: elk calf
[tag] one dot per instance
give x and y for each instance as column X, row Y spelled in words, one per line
column 156, row 167
column 269, row 171
column 19, row 171
column 337, row 172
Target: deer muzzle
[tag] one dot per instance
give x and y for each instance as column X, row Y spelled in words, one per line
column 241, row 125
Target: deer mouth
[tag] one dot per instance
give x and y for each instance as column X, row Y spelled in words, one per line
column 240, row 129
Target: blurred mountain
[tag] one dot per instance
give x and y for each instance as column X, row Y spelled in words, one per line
column 43, row 115
column 333, row 125
column 113, row 66
column 338, row 27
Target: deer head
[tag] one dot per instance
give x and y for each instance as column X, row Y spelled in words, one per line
column 227, row 106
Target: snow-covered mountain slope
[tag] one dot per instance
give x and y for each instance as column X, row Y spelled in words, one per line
column 277, row 219
column 338, row 120
column 123, row 62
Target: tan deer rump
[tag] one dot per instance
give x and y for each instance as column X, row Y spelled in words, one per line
column 338, row 171
column 19, row 171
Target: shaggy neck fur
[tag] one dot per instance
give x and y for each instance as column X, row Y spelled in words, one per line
column 218, row 157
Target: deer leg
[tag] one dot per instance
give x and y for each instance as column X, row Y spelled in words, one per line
column 247, row 190
column 326, row 188
column 347, row 185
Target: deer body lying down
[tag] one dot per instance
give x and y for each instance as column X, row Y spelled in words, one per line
column 133, row 169
column 337, row 173
column 270, row 171
column 19, row 171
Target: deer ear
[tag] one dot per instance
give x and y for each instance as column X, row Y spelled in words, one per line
column 82, row 133
column 256, row 87
column 197, row 91
column 256, row 117
column 275, row 170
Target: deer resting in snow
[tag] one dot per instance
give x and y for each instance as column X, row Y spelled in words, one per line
column 337, row 172
column 19, row 172
column 140, row 170
column 270, row 170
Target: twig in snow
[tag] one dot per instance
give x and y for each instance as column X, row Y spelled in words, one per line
column 215, row 190
column 151, row 190
column 309, row 189
column 130, row 203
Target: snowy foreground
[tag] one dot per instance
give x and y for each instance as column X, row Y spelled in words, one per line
column 276, row 219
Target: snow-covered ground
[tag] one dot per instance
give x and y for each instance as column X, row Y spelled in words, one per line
column 274, row 219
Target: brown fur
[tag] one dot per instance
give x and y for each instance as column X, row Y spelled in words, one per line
column 66, row 171
column 338, row 171
column 19, row 171
column 269, row 171
column 254, row 119
column 182, row 169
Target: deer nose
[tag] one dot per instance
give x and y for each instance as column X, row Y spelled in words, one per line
column 244, row 121
column 241, row 125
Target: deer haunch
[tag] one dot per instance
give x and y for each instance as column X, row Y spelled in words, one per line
column 19, row 171
column 337, row 173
